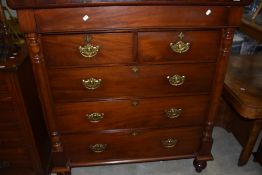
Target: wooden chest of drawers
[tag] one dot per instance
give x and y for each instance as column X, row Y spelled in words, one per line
column 24, row 142
column 129, row 81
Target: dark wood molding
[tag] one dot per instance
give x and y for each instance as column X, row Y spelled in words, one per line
column 17, row 4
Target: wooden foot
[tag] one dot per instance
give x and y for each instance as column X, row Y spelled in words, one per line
column 199, row 165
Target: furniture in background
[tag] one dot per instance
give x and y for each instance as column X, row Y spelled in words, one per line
column 258, row 154
column 257, row 11
column 243, row 92
column 251, row 28
column 129, row 81
column 24, row 141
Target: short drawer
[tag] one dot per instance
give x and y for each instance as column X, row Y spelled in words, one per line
column 110, row 48
column 124, row 81
column 125, row 114
column 112, row 17
column 178, row 46
column 146, row 144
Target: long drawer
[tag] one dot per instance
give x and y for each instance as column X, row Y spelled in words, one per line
column 125, row 146
column 178, row 46
column 113, row 17
column 125, row 114
column 124, row 81
column 63, row 50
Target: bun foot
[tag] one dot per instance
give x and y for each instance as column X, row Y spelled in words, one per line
column 199, row 165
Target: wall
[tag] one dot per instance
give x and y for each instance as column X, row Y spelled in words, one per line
column 12, row 11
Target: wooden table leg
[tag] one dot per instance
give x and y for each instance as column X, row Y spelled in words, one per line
column 248, row 147
column 258, row 154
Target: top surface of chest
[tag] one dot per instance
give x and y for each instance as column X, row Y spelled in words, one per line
column 18, row 4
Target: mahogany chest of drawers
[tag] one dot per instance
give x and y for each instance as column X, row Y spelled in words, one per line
column 129, row 81
column 24, row 142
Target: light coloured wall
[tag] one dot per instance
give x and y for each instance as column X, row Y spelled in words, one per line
column 4, row 4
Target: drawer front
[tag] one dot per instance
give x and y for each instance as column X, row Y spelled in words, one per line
column 9, row 127
column 14, row 154
column 8, row 113
column 164, row 46
column 63, row 50
column 125, row 114
column 122, row 81
column 125, row 146
column 9, row 122
column 3, row 83
column 113, row 17
column 8, row 117
column 10, row 131
column 10, row 166
column 12, row 143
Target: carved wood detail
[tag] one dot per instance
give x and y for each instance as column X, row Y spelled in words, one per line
column 207, row 141
column 37, row 59
column 56, row 143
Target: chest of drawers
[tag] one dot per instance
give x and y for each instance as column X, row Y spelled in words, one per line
column 24, row 142
column 129, row 81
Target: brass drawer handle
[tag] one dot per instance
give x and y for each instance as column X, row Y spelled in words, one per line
column 91, row 83
column 173, row 113
column 95, row 117
column 176, row 80
column 88, row 51
column 180, row 46
column 169, row 143
column 98, row 148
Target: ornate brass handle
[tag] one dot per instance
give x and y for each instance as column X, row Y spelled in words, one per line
column 91, row 83
column 173, row 113
column 98, row 148
column 180, row 46
column 176, row 80
column 169, row 143
column 95, row 117
column 88, row 51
